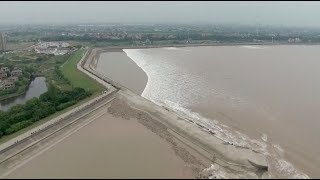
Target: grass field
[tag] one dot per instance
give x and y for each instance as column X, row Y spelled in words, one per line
column 76, row 77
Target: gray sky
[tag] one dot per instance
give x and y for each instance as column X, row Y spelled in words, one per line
column 274, row 13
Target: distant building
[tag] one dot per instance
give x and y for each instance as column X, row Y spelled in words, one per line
column 4, row 69
column 13, row 78
column 52, row 47
column 55, row 48
column 3, row 42
column 294, row 40
column 148, row 41
column 3, row 74
column 5, row 85
column 17, row 68
column 17, row 72
column 257, row 40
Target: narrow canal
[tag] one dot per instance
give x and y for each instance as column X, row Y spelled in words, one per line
column 36, row 88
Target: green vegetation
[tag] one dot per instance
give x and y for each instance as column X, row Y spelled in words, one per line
column 20, row 85
column 33, row 64
column 76, row 77
column 43, row 65
column 67, row 86
column 43, row 120
column 21, row 116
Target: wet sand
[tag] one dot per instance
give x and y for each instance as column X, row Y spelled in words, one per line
column 110, row 147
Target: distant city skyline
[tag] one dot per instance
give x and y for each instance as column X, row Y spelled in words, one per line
column 247, row 13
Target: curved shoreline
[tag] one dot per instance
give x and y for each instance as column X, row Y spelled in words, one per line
column 119, row 67
column 230, row 156
column 15, row 96
column 148, row 78
column 228, row 161
column 201, row 125
column 201, row 45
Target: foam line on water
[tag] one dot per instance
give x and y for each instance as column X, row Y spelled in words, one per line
column 253, row 47
column 157, row 68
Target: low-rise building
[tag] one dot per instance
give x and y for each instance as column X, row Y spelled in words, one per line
column 13, row 78
column 294, row 40
column 3, row 74
column 17, row 68
column 5, row 85
column 5, row 68
column 17, row 72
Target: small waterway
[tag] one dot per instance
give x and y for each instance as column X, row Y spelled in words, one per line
column 36, row 88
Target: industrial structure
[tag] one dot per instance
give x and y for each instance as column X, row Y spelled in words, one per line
column 3, row 42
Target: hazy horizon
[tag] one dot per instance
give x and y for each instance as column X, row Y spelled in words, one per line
column 302, row 14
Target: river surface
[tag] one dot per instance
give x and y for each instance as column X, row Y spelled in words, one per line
column 36, row 88
column 270, row 93
column 109, row 147
column 113, row 66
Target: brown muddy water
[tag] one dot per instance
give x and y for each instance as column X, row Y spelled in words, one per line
column 267, row 92
column 112, row 65
column 109, row 147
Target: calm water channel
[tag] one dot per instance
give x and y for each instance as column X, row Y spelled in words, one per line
column 36, row 88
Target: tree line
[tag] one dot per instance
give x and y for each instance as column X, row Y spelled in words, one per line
column 21, row 116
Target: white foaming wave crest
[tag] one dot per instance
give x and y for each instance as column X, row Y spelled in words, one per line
column 163, row 75
column 167, row 73
column 222, row 131
column 239, row 139
column 288, row 169
column 137, row 57
column 175, row 48
column 253, row 47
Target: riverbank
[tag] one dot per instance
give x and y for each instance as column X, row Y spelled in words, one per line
column 120, row 47
column 16, row 94
column 280, row 164
column 77, row 78
column 213, row 148
column 126, row 150
column 71, row 67
column 36, row 87
column 191, row 150
column 9, row 96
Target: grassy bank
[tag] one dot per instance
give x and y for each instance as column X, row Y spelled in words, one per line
column 76, row 77
column 9, row 96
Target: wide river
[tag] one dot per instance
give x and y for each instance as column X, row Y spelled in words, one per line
column 270, row 93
